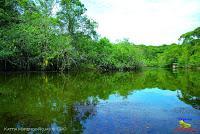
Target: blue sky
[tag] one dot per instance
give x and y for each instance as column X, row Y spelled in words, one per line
column 151, row 22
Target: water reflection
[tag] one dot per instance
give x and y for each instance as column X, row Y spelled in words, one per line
column 89, row 102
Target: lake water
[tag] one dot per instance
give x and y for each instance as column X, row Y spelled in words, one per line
column 147, row 102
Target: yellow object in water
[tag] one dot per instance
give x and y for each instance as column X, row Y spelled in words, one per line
column 184, row 124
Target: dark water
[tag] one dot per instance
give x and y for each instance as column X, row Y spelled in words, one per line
column 151, row 101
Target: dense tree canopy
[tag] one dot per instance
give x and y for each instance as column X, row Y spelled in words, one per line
column 58, row 35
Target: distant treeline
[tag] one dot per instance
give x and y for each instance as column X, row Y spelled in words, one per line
column 57, row 35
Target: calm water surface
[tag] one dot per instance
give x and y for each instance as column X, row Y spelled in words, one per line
column 147, row 102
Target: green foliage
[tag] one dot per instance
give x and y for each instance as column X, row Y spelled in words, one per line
column 192, row 37
column 37, row 41
column 33, row 43
column 73, row 21
column 40, row 98
column 34, row 35
column 185, row 55
column 8, row 12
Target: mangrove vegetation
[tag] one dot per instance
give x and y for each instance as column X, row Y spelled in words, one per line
column 57, row 35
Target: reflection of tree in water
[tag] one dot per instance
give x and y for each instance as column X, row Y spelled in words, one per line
column 85, row 109
column 77, row 114
column 194, row 101
column 70, row 118
column 67, row 100
column 190, row 92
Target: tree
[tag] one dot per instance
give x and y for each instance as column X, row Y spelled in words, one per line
column 34, row 43
column 192, row 37
column 191, row 43
column 73, row 20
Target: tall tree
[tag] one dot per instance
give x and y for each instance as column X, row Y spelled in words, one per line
column 73, row 20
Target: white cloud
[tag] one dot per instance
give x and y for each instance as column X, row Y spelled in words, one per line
column 144, row 21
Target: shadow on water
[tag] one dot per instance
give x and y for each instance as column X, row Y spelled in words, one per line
column 88, row 102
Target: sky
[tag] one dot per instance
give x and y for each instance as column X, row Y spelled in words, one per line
column 150, row 22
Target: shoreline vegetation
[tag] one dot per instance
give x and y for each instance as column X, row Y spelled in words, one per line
column 36, row 37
